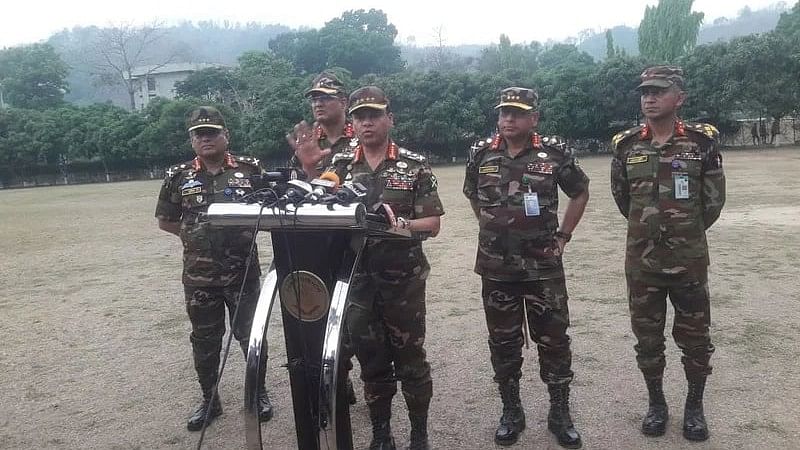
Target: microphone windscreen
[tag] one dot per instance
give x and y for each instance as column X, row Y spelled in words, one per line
column 330, row 176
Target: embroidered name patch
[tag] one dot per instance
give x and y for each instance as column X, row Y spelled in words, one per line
column 489, row 169
column 637, row 159
column 190, row 191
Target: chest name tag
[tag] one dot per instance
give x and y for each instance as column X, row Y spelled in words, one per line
column 399, row 184
column 489, row 169
column 681, row 186
column 637, row 159
column 531, row 200
column 689, row 156
column 190, row 191
column 540, row 167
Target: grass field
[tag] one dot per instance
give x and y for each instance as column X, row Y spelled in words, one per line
column 95, row 350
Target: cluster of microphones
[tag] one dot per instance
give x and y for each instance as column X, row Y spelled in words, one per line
column 287, row 186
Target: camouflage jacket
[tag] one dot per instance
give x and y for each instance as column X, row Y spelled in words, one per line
column 346, row 143
column 405, row 182
column 515, row 244
column 670, row 193
column 211, row 256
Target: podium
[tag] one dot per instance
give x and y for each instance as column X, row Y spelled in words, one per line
column 316, row 249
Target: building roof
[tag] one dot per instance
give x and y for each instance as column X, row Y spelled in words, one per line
column 141, row 71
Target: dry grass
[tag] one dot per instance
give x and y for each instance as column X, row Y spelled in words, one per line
column 96, row 353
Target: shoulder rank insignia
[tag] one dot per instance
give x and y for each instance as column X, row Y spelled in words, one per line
column 411, row 155
column 706, row 129
column 623, row 135
column 248, row 160
column 345, row 156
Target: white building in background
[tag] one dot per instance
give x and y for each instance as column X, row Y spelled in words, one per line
column 159, row 81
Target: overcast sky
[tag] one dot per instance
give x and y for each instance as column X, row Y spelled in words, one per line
column 26, row 21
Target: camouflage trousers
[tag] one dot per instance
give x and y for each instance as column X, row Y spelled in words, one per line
column 386, row 323
column 647, row 300
column 548, row 320
column 206, row 308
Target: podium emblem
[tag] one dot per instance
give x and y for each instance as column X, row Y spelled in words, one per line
column 305, row 296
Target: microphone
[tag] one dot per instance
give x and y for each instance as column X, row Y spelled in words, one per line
column 351, row 192
column 326, row 184
column 277, row 175
column 296, row 191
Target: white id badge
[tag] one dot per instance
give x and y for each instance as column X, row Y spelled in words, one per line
column 681, row 186
column 531, row 204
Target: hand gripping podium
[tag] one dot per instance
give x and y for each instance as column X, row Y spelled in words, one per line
column 316, row 249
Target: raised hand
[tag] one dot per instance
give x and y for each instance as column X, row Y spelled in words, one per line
column 306, row 146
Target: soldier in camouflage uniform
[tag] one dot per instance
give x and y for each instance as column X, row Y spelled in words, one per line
column 386, row 319
column 667, row 180
column 511, row 182
column 333, row 132
column 331, row 129
column 214, row 260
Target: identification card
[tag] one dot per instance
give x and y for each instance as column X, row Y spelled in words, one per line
column 531, row 200
column 681, row 186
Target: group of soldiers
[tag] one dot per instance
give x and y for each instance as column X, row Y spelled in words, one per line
column 666, row 179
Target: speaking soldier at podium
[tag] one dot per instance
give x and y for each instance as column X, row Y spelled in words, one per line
column 386, row 319
column 214, row 260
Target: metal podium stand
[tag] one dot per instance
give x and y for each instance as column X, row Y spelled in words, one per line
column 316, row 249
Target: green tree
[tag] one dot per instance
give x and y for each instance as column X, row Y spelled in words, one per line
column 789, row 24
column 217, row 84
column 565, row 81
column 362, row 42
column 508, row 56
column 32, row 76
column 769, row 73
column 668, row 30
column 715, row 81
column 359, row 41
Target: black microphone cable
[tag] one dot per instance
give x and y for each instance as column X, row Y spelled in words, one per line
column 226, row 351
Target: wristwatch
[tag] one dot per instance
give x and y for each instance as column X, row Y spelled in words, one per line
column 566, row 236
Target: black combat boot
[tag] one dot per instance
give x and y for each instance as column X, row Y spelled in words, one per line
column 351, row 392
column 213, row 410
column 559, row 421
column 512, row 422
column 694, row 421
column 655, row 421
column 380, row 416
column 419, row 432
column 264, row 405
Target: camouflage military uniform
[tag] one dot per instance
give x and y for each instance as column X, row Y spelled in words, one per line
column 346, row 143
column 516, row 257
column 670, row 193
column 213, row 259
column 386, row 319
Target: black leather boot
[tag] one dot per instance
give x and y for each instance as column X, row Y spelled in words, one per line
column 655, row 421
column 419, row 432
column 512, row 422
column 351, row 392
column 264, row 404
column 382, row 438
column 195, row 422
column 559, row 421
column 694, row 421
